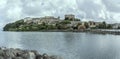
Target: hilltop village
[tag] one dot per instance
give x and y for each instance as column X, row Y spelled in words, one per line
column 69, row 23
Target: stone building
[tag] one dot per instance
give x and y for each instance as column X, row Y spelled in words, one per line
column 93, row 24
column 28, row 20
column 116, row 26
column 50, row 20
column 75, row 23
column 70, row 17
column 81, row 27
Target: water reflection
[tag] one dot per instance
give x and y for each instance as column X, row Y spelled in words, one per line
column 66, row 44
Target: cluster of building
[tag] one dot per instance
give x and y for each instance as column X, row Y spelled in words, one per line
column 116, row 26
column 47, row 19
column 50, row 20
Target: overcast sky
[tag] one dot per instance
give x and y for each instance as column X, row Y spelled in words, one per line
column 97, row 10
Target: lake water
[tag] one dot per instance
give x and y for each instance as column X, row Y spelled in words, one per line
column 68, row 45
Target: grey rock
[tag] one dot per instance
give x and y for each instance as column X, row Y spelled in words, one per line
column 11, row 53
column 38, row 56
column 1, row 57
column 7, row 57
column 17, row 58
column 45, row 56
column 31, row 55
column 1, row 52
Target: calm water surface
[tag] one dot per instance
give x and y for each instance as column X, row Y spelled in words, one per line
column 68, row 45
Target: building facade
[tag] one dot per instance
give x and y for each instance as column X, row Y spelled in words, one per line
column 70, row 17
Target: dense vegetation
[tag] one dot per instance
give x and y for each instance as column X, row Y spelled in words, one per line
column 103, row 25
column 22, row 26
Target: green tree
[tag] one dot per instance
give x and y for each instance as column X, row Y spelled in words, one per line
column 109, row 26
column 102, row 26
column 86, row 25
column 65, row 22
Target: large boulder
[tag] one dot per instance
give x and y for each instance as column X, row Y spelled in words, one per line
column 31, row 55
column 38, row 56
column 1, row 52
column 1, row 57
column 17, row 58
column 22, row 54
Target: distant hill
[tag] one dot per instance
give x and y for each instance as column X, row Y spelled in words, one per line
column 69, row 23
column 37, row 24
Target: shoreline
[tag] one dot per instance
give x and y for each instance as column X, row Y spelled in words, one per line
column 97, row 31
column 105, row 32
column 15, row 53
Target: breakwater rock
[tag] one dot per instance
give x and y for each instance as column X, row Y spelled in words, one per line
column 10, row 53
column 99, row 31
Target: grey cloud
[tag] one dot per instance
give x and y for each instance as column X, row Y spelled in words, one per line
column 113, row 9
column 112, row 5
column 12, row 10
column 90, row 8
column 101, row 10
column 41, row 7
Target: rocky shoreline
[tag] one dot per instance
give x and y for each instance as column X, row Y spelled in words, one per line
column 11, row 53
column 97, row 31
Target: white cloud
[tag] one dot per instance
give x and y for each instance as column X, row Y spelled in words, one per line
column 14, row 13
column 2, row 3
column 107, row 10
